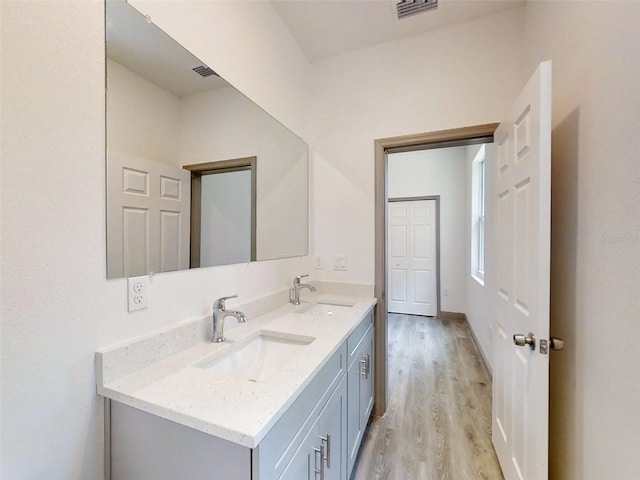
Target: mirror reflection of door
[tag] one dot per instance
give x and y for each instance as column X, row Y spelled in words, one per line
column 147, row 216
column 223, row 212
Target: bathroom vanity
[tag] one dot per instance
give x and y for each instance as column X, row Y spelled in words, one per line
column 287, row 396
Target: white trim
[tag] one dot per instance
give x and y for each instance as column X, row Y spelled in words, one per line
column 477, row 217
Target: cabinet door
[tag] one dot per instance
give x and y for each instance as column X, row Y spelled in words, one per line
column 332, row 434
column 366, row 379
column 360, row 396
column 354, row 434
column 320, row 456
column 301, row 466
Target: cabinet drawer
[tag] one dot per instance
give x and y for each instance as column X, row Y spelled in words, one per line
column 278, row 447
column 353, row 342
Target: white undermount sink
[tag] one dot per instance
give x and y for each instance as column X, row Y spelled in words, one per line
column 323, row 307
column 258, row 357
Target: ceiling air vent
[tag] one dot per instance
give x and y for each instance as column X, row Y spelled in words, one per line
column 204, row 71
column 406, row 8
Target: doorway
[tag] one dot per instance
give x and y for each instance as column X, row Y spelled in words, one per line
column 520, row 232
column 223, row 212
column 445, row 138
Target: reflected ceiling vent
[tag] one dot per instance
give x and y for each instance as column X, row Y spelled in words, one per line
column 204, row 71
column 406, row 8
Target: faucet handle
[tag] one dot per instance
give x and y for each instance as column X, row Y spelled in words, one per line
column 299, row 277
column 219, row 303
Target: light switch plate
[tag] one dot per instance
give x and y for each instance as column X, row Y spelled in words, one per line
column 137, row 293
column 339, row 262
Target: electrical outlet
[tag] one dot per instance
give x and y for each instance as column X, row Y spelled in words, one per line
column 137, row 293
column 318, row 262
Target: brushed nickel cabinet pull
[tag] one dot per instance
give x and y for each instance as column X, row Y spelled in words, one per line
column 327, row 458
column 320, row 472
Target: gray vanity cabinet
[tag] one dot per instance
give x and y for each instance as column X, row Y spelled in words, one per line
column 341, row 425
column 287, row 451
column 317, row 438
column 359, row 388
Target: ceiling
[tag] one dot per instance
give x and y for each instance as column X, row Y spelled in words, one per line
column 146, row 50
column 325, row 28
column 322, row 28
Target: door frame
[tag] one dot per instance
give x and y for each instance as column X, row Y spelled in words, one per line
column 211, row 168
column 422, row 141
column 417, row 199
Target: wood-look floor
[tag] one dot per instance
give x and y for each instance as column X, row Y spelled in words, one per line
column 438, row 420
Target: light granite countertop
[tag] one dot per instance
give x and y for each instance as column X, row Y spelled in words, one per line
column 158, row 374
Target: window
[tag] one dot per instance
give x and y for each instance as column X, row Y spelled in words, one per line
column 477, row 215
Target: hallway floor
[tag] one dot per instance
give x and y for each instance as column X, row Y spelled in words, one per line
column 438, row 420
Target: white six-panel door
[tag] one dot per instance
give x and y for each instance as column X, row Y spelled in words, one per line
column 148, row 216
column 521, row 199
column 411, row 257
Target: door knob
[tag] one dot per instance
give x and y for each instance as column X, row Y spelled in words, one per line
column 522, row 340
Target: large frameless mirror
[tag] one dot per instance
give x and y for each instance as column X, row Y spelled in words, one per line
column 197, row 174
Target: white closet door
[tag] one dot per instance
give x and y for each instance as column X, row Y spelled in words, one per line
column 411, row 257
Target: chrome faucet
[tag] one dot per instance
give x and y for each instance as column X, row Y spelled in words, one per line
column 294, row 292
column 220, row 313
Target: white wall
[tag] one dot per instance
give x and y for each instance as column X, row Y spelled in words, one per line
column 143, row 118
column 452, row 77
column 439, row 172
column 595, row 392
column 57, row 306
